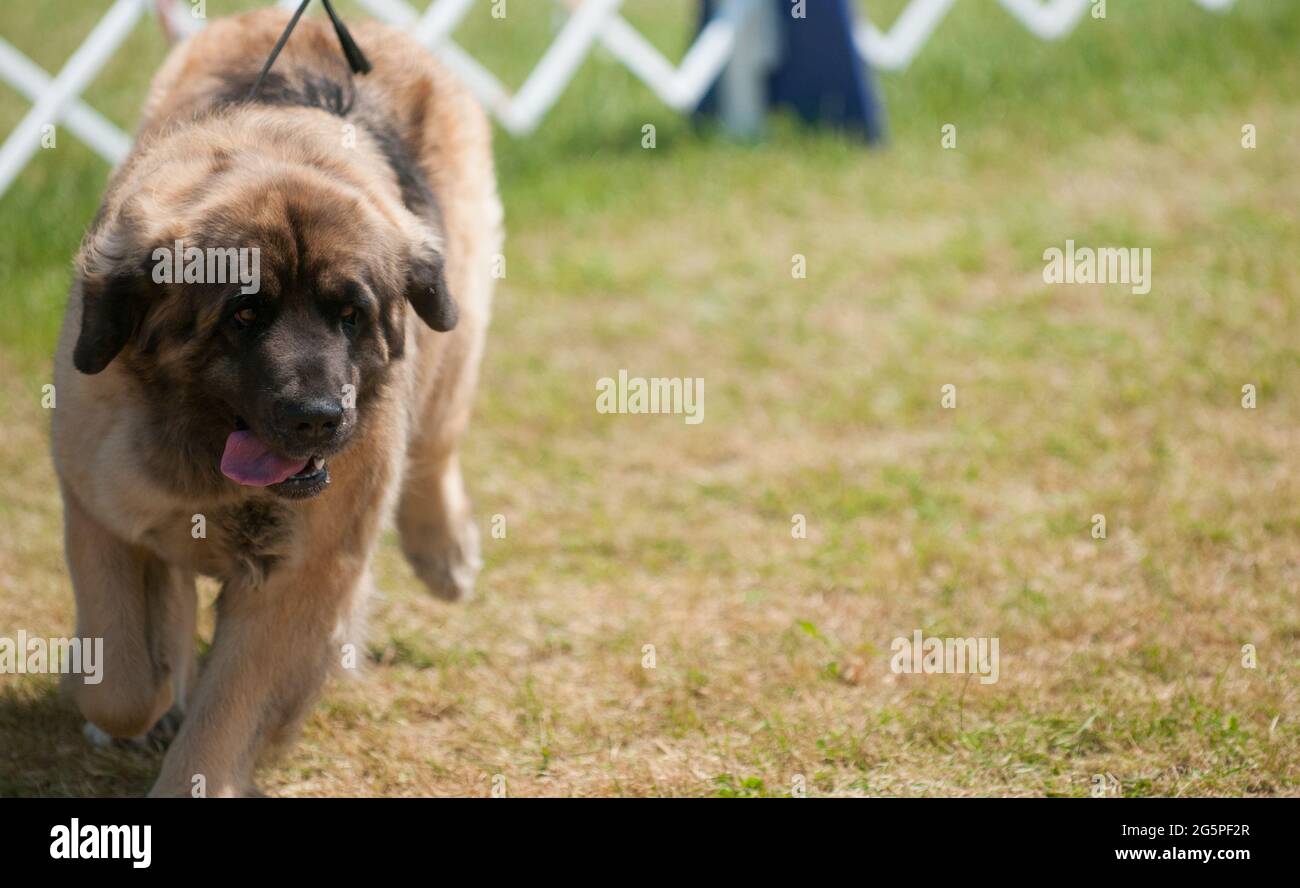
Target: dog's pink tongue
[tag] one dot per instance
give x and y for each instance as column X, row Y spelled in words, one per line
column 250, row 462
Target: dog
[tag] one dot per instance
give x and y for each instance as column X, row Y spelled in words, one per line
column 260, row 429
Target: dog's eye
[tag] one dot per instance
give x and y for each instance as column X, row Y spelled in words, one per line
column 245, row 317
column 348, row 314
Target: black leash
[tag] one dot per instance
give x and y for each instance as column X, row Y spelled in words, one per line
column 356, row 58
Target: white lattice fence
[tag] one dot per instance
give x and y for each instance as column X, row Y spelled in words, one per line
column 734, row 35
column 1048, row 19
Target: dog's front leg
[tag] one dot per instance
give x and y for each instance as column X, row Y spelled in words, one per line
column 143, row 612
column 272, row 650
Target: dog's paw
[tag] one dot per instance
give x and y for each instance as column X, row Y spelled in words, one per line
column 450, row 573
column 97, row 736
column 158, row 737
column 164, row 732
column 101, row 739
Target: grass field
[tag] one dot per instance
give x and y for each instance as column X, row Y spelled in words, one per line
column 1119, row 656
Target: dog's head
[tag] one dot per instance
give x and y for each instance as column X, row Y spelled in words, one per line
column 263, row 316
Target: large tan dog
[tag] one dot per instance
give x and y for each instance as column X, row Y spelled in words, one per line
column 261, row 435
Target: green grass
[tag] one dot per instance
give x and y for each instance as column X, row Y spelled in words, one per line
column 1119, row 656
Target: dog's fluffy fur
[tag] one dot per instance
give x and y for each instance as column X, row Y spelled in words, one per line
column 385, row 179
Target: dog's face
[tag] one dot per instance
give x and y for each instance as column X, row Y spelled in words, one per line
column 263, row 322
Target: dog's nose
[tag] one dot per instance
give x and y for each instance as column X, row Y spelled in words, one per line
column 309, row 422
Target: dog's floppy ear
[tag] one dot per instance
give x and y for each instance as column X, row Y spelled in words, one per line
column 113, row 283
column 426, row 287
column 110, row 306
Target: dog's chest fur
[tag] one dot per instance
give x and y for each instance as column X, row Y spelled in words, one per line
column 244, row 541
